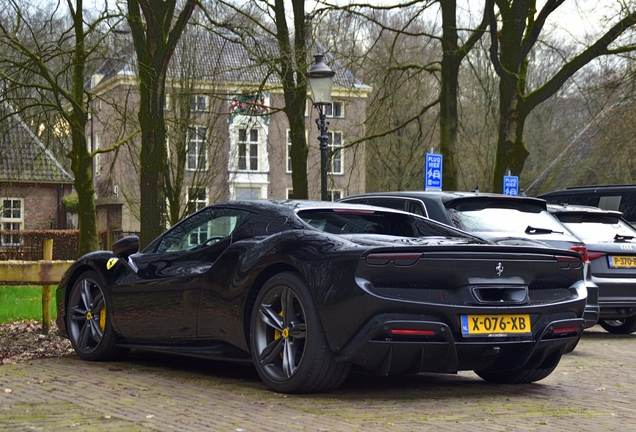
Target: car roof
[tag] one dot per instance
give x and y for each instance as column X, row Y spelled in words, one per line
column 575, row 190
column 259, row 205
column 447, row 197
column 581, row 209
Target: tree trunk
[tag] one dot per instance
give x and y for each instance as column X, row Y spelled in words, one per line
column 511, row 151
column 293, row 66
column 155, row 37
column 81, row 160
column 452, row 56
column 448, row 95
column 152, row 156
column 81, row 164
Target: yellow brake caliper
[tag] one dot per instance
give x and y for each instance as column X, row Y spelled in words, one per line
column 278, row 334
column 102, row 318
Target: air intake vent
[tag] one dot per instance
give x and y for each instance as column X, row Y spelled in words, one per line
column 501, row 294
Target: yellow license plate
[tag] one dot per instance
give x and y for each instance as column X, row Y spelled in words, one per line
column 495, row 324
column 622, row 262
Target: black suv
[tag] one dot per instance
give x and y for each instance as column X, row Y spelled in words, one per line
column 619, row 197
column 611, row 245
column 498, row 218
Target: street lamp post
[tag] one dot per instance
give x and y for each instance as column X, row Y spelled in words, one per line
column 320, row 78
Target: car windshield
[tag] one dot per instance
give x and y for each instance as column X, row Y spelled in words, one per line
column 499, row 216
column 354, row 221
column 597, row 227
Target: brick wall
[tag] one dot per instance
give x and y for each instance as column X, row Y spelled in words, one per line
column 43, row 207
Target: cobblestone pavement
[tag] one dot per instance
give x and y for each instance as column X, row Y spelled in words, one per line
column 594, row 388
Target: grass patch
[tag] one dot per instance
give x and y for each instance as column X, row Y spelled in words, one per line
column 23, row 302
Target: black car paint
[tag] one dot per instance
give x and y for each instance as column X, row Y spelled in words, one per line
column 196, row 302
column 438, row 206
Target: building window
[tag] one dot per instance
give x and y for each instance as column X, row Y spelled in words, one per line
column 289, row 150
column 248, row 150
column 290, row 194
column 196, row 149
column 198, row 103
column 197, row 198
column 334, row 109
column 334, row 145
column 97, row 161
column 334, row 195
column 248, row 193
column 12, row 220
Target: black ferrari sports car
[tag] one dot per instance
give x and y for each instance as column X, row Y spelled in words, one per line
column 307, row 290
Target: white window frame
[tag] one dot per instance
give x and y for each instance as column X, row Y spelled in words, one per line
column 289, row 193
column 335, row 155
column 97, row 161
column 331, row 194
column 196, row 199
column 254, row 188
column 11, row 223
column 201, row 233
column 195, row 103
column 245, row 154
column 331, row 108
column 288, row 166
column 195, row 138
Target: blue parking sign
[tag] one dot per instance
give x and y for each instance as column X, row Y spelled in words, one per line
column 433, row 172
column 511, row 185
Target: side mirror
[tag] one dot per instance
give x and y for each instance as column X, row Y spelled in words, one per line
column 124, row 248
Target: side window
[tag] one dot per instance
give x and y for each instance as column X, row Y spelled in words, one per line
column 609, row 202
column 392, row 203
column 201, row 229
column 628, row 207
column 416, row 208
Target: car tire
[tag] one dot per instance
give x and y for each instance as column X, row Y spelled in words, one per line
column 287, row 340
column 619, row 326
column 87, row 321
column 515, row 376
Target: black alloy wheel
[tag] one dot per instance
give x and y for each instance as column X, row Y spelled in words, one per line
column 88, row 326
column 287, row 340
column 619, row 326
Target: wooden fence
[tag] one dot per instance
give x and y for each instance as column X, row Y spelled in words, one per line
column 46, row 273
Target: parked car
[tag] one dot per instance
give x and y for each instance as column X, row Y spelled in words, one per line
column 609, row 197
column 611, row 249
column 502, row 219
column 305, row 290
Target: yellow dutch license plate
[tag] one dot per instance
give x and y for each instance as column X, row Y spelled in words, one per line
column 622, row 261
column 496, row 324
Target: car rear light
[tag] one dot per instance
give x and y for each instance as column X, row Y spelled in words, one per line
column 559, row 330
column 400, row 259
column 583, row 251
column 408, row 332
column 594, row 255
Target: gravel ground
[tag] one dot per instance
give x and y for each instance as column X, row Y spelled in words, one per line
column 21, row 341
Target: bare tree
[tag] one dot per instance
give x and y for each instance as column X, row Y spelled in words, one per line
column 156, row 27
column 45, row 71
column 513, row 37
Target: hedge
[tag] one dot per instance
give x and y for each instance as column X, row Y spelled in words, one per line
column 26, row 245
